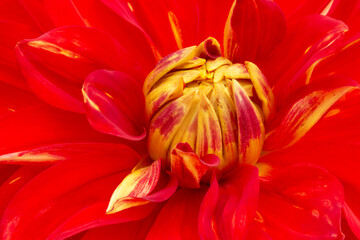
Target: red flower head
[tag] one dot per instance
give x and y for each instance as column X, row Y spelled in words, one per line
column 179, row 119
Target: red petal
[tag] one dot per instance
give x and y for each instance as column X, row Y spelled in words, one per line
column 298, row 8
column 227, row 210
column 353, row 220
column 301, row 202
column 14, row 11
column 59, row 152
column 113, row 17
column 115, row 104
column 10, row 34
column 42, row 124
column 56, row 63
column 249, row 42
column 136, row 230
column 15, row 182
column 37, row 11
column 179, row 215
column 62, row 191
column 344, row 61
column 13, row 99
column 307, row 40
column 302, row 114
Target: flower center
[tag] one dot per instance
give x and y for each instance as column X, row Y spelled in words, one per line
column 198, row 98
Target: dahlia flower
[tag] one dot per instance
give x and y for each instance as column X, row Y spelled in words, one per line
column 179, row 119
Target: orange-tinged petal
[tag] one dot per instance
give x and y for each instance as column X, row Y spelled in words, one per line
column 262, row 89
column 302, row 116
column 188, row 167
column 250, row 126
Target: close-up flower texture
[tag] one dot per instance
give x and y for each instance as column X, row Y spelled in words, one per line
column 180, row 119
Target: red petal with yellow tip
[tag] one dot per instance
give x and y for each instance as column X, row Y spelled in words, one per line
column 50, row 154
column 227, row 209
column 137, row 188
column 62, row 191
column 302, row 114
column 250, row 126
column 57, row 63
column 115, row 104
column 300, row 202
column 179, row 215
column 188, row 167
column 249, row 42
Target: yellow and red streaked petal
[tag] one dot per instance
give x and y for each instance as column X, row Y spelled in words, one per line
column 137, row 188
column 178, row 116
column 56, row 63
column 179, row 215
column 226, row 113
column 300, row 201
column 166, row 64
column 115, row 104
column 228, row 209
column 305, row 112
column 307, row 40
column 250, row 126
column 188, row 167
column 79, row 185
column 12, row 33
column 262, row 89
column 244, row 41
column 209, row 136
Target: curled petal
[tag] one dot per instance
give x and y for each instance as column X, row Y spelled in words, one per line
column 304, row 113
column 244, row 41
column 138, row 189
column 300, row 202
column 115, row 104
column 227, row 210
column 57, row 63
column 250, row 126
column 188, row 167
